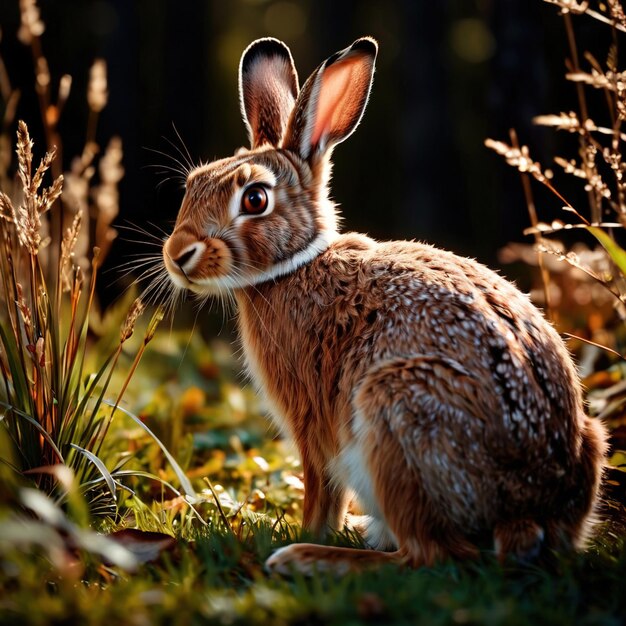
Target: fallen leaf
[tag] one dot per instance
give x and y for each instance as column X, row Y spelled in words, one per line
column 145, row 546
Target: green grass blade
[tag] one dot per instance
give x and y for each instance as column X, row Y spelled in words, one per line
column 74, row 372
column 615, row 251
column 42, row 431
column 78, row 413
column 165, row 483
column 100, row 466
column 94, row 482
column 15, row 359
column 185, row 483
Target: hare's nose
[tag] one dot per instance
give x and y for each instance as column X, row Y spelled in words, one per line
column 183, row 258
column 186, row 256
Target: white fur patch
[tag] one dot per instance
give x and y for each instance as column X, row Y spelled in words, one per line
column 314, row 249
column 219, row 284
column 350, row 470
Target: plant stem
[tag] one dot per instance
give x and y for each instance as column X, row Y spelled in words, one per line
column 532, row 212
column 584, row 139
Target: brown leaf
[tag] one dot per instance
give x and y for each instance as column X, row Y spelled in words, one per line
column 145, row 546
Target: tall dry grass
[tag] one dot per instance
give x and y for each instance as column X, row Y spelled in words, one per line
column 56, row 395
column 589, row 281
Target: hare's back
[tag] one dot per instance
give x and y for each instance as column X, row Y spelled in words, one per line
column 479, row 382
column 423, row 301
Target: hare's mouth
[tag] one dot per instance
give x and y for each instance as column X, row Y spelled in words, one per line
column 194, row 263
column 217, row 285
column 204, row 286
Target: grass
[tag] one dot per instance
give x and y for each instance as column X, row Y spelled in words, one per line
column 214, row 577
column 213, row 573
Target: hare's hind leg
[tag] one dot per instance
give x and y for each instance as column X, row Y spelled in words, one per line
column 382, row 466
column 566, row 523
column 391, row 429
column 521, row 539
column 578, row 509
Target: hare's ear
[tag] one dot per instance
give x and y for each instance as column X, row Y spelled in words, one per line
column 268, row 88
column 331, row 103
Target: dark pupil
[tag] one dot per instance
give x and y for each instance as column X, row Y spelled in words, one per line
column 256, row 198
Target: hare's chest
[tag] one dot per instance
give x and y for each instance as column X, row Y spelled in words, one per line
column 266, row 378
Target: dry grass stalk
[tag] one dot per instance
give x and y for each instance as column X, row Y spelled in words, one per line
column 617, row 12
column 50, row 401
column 97, row 90
column 31, row 25
column 600, row 164
column 601, row 194
column 99, row 203
column 31, row 29
column 128, row 328
column 582, row 8
column 106, row 195
column 570, row 122
column 27, row 218
column 44, row 340
column 67, row 252
column 519, row 158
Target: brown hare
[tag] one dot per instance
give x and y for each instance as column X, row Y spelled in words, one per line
column 418, row 382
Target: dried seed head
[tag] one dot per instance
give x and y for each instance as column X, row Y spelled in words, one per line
column 6, row 208
column 67, row 251
column 97, row 94
column 617, row 12
column 107, row 195
column 154, row 322
column 65, row 85
column 613, row 81
column 27, row 218
column 111, row 170
column 49, row 195
column 571, row 6
column 28, row 225
column 31, row 25
column 563, row 121
column 24, row 154
column 595, row 183
column 136, row 309
column 570, row 167
column 44, row 164
column 518, row 158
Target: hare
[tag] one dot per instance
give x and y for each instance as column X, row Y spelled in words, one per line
column 420, row 383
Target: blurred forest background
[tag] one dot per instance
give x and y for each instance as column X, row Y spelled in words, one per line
column 450, row 74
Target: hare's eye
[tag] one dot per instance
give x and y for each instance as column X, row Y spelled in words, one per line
column 254, row 200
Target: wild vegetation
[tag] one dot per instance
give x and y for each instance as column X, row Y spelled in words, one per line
column 152, row 492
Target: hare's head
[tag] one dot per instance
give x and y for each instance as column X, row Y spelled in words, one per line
column 265, row 211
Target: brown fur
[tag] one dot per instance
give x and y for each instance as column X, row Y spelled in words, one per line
column 432, row 422
column 420, row 381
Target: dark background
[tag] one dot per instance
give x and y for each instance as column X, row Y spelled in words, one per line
column 450, row 73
